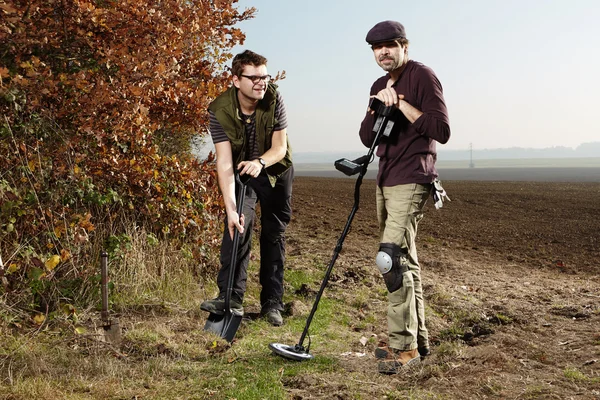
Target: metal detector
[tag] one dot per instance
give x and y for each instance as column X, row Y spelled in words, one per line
column 227, row 323
column 382, row 127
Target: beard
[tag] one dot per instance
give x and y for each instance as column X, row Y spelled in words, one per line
column 393, row 65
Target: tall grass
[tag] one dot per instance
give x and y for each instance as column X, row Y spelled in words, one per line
column 145, row 270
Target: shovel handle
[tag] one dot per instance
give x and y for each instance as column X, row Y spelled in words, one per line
column 242, row 180
column 104, row 286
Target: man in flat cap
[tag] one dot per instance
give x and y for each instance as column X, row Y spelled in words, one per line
column 404, row 182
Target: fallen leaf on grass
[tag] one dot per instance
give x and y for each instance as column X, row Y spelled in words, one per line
column 52, row 262
column 39, row 319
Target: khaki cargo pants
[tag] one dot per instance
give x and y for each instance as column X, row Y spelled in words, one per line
column 399, row 210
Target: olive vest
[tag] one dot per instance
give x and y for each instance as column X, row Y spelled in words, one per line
column 226, row 110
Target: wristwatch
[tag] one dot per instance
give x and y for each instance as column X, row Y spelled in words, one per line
column 262, row 162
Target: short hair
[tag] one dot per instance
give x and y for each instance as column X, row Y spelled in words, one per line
column 246, row 58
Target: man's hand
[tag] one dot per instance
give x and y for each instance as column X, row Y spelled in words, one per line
column 389, row 97
column 252, row 168
column 235, row 222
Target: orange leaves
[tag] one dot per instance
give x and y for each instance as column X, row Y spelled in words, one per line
column 83, row 221
column 65, row 255
column 136, row 90
column 4, row 73
column 59, row 230
column 104, row 102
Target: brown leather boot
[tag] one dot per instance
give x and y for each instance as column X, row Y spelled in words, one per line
column 396, row 360
column 382, row 351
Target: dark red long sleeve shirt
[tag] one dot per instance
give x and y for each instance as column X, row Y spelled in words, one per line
column 408, row 154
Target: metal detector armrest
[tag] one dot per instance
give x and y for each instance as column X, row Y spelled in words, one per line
column 350, row 167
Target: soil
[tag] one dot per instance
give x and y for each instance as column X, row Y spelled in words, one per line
column 511, row 281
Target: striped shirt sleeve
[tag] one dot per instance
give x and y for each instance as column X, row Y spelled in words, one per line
column 280, row 114
column 216, row 130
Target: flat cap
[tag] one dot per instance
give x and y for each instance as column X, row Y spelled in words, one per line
column 386, row 31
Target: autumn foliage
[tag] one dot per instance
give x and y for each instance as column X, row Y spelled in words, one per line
column 100, row 101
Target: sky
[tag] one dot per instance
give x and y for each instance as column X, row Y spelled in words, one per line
column 515, row 73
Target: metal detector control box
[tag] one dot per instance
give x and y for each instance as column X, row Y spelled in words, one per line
column 350, row 167
column 383, row 127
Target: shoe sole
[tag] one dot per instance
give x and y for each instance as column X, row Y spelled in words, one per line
column 394, row 367
column 381, row 353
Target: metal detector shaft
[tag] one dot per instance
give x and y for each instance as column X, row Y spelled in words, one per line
column 381, row 124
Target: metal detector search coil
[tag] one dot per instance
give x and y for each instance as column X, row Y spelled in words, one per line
column 296, row 353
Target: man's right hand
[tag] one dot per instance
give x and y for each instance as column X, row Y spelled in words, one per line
column 252, row 168
column 235, row 222
column 389, row 96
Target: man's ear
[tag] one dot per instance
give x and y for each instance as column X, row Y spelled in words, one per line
column 236, row 81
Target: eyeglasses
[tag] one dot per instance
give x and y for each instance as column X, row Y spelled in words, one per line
column 256, row 79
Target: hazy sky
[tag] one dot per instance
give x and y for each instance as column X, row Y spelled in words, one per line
column 522, row 73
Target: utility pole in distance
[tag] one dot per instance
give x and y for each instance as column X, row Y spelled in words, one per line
column 471, row 164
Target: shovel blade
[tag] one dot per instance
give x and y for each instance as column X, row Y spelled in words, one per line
column 225, row 325
column 112, row 332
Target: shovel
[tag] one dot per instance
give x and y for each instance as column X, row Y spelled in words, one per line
column 227, row 323
column 112, row 330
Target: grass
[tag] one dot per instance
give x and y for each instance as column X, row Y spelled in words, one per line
column 156, row 362
column 166, row 354
column 575, row 375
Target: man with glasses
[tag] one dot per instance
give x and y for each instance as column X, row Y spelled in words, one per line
column 248, row 126
column 404, row 181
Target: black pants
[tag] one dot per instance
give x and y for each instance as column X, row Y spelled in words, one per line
column 276, row 213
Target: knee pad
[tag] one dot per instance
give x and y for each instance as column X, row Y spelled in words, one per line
column 390, row 262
